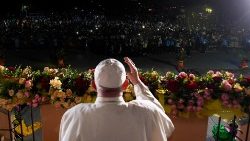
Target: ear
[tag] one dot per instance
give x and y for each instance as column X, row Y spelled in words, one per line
column 125, row 84
column 93, row 84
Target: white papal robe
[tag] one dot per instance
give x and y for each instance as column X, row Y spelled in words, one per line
column 113, row 119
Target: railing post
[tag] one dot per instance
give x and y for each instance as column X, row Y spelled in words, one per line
column 10, row 128
column 218, row 130
column 32, row 122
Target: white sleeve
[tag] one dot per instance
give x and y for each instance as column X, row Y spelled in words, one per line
column 142, row 92
column 67, row 127
column 164, row 127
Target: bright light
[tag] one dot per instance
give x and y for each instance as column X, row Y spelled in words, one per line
column 209, row 10
column 143, row 26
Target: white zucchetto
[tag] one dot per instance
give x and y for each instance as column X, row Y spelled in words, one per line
column 110, row 73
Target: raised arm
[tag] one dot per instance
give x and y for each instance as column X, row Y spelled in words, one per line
column 141, row 90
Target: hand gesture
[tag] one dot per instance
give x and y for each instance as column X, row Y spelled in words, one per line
column 133, row 75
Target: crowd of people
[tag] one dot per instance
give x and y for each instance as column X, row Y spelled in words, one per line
column 128, row 35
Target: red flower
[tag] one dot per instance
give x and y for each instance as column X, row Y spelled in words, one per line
column 11, row 68
column 45, row 83
column 192, row 85
column 173, row 86
column 217, row 79
column 81, row 85
column 247, row 79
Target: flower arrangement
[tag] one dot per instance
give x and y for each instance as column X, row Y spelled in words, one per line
column 182, row 93
column 187, row 93
column 26, row 87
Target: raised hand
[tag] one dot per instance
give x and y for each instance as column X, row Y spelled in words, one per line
column 132, row 75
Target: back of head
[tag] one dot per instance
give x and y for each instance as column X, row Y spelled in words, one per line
column 109, row 73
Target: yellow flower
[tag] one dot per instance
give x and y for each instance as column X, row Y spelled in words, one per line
column 128, row 97
column 56, row 83
column 61, row 94
column 78, row 99
column 66, row 105
column 19, row 94
column 237, row 87
column 55, row 93
column 3, row 101
column 22, row 81
column 2, row 68
column 68, row 92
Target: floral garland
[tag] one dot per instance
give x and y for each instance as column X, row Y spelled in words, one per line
column 179, row 94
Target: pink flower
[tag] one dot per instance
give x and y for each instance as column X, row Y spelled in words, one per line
column 218, row 74
column 224, row 97
column 182, row 75
column 170, row 101
column 191, row 102
column 225, row 103
column 206, row 92
column 191, row 76
column 200, row 101
column 181, row 101
column 57, row 105
column 180, row 106
column 43, row 99
column 27, row 94
column 34, row 101
column 28, row 84
column 34, row 105
column 210, row 72
column 226, row 85
column 196, row 94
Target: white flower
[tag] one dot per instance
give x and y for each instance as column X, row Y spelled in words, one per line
column 27, row 70
column 46, row 69
column 11, row 92
column 2, row 68
column 56, row 83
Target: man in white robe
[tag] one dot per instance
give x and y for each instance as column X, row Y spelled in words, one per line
column 110, row 118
